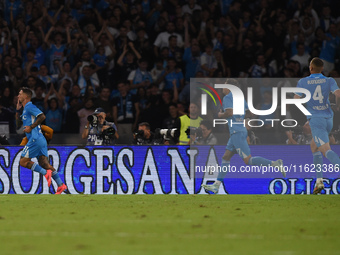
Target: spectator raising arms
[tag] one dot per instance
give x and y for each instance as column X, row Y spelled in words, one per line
column 92, row 49
column 53, row 111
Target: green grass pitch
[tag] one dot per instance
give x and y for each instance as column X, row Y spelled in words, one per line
column 169, row 224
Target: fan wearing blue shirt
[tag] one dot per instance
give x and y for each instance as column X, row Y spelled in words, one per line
column 36, row 147
column 321, row 118
column 238, row 141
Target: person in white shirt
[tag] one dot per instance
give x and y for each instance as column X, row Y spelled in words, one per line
column 208, row 61
column 302, row 56
column 190, row 7
column 162, row 39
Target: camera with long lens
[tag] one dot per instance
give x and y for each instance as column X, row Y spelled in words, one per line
column 168, row 134
column 93, row 120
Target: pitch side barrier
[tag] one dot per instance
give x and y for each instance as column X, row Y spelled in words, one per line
column 165, row 170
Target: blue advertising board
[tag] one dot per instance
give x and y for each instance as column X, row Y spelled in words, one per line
column 163, row 170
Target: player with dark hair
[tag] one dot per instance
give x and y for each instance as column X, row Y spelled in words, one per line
column 321, row 120
column 36, row 147
column 237, row 142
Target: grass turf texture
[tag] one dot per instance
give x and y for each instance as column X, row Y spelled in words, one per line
column 169, row 224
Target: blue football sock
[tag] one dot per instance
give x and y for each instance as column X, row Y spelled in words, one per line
column 259, row 161
column 39, row 169
column 318, row 161
column 57, row 179
column 333, row 157
column 224, row 169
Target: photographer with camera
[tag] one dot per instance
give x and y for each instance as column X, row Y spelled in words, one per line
column 187, row 124
column 299, row 135
column 144, row 136
column 166, row 136
column 203, row 135
column 98, row 131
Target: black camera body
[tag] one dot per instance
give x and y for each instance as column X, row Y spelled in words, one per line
column 194, row 131
column 4, row 140
column 108, row 133
column 140, row 139
column 139, row 134
column 93, row 120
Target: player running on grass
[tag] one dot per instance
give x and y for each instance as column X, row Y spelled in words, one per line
column 237, row 142
column 321, row 120
column 36, row 147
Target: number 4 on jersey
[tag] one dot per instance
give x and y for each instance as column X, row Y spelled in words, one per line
column 317, row 96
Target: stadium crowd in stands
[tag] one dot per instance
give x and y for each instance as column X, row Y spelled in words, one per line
column 134, row 58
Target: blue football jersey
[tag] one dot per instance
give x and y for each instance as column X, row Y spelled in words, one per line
column 319, row 86
column 28, row 117
column 235, row 122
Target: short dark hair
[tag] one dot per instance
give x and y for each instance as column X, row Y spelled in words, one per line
column 73, row 98
column 172, row 59
column 121, row 81
column 85, row 50
column 31, row 77
column 145, row 124
column 172, row 36
column 39, row 86
column 50, row 101
column 300, row 44
column 105, row 87
column 141, row 60
column 34, row 69
column 173, row 104
column 207, row 124
column 19, row 60
column 32, row 50
column 317, row 62
column 58, row 33
column 159, row 60
column 232, row 82
column 27, row 91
